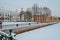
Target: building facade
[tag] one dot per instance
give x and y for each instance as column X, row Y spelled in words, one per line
column 41, row 14
column 25, row 16
column 42, row 18
column 9, row 16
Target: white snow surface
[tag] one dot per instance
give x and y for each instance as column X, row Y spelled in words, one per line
column 47, row 33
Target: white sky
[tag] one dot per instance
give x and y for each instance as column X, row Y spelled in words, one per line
column 54, row 5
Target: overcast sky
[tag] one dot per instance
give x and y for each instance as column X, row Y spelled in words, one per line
column 54, row 5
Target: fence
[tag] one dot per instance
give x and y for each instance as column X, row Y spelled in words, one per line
column 9, row 25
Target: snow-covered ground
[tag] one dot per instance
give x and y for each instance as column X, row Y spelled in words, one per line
column 47, row 33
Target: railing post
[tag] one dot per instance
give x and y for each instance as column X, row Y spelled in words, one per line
column 1, row 37
column 0, row 25
column 10, row 37
column 17, row 25
column 29, row 23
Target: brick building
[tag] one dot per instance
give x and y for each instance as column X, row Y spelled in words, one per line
column 43, row 18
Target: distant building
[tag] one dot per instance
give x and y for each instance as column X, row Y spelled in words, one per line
column 41, row 14
column 42, row 18
column 25, row 16
column 36, row 14
column 22, row 15
column 9, row 16
column 46, row 10
column 35, row 10
column 4, row 16
column 1, row 17
column 15, row 16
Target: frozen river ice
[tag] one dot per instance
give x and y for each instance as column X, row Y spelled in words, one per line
column 47, row 33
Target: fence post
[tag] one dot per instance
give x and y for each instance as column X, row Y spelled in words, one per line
column 17, row 25
column 1, row 37
column 29, row 23
column 10, row 37
column 0, row 25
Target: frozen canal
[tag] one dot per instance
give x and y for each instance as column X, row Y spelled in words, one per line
column 47, row 33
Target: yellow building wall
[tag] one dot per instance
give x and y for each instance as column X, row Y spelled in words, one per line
column 43, row 18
